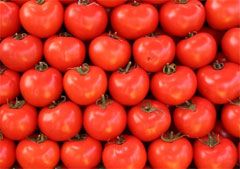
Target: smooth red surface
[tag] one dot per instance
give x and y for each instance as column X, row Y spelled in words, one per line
column 7, row 153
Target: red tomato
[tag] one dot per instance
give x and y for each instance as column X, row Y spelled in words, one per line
column 7, row 152
column 148, row 120
column 37, row 153
column 42, row 18
column 42, row 85
column 9, row 17
column 217, row 153
column 129, row 86
column 175, row 85
column 21, row 52
column 173, row 152
column 17, row 120
column 223, row 14
column 197, row 50
column 230, row 45
column 64, row 52
column 216, row 34
column 180, row 17
column 124, row 152
column 153, row 52
column 219, row 129
column 195, row 118
column 134, row 20
column 60, row 121
column 219, row 83
column 155, row 1
column 109, row 52
column 81, row 152
column 85, row 20
column 85, row 84
column 111, row 3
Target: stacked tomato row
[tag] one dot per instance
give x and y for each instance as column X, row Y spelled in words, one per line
column 119, row 84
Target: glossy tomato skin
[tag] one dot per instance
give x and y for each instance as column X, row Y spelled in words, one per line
column 9, row 85
column 147, row 124
column 219, row 86
column 63, row 53
column 171, row 155
column 197, row 51
column 132, row 21
column 196, row 123
column 176, row 88
column 188, row 17
column 85, row 153
column 9, row 17
column 109, row 53
column 21, row 54
column 130, row 154
column 129, row 88
column 230, row 44
column 61, row 122
column 7, row 153
column 42, row 20
column 228, row 14
column 152, row 53
column 110, row 4
column 85, row 21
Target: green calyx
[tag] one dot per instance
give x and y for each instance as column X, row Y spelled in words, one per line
column 17, row 104
column 19, row 36
column 188, row 105
column 41, row 66
column 169, row 68
column 212, row 140
column 40, row 2
column 171, row 137
column 218, row 65
column 79, row 137
column 40, row 138
column 120, row 140
column 57, row 102
column 83, row 70
column 148, row 108
column 126, row 69
column 103, row 102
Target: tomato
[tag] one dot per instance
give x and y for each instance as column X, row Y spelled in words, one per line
column 219, row 129
column 217, row 153
column 148, row 120
column 21, row 52
column 37, row 153
column 9, row 17
column 172, row 152
column 133, row 20
column 153, row 52
column 41, row 18
column 175, row 85
column 112, row 3
column 109, row 52
column 60, row 121
column 180, row 17
column 231, row 42
column 195, row 118
column 155, row 1
column 216, row 34
column 64, row 52
column 42, row 85
column 124, row 152
column 81, row 152
column 222, row 14
column 219, row 83
column 85, row 84
column 7, row 152
column 129, row 86
column 197, row 50
column 85, row 20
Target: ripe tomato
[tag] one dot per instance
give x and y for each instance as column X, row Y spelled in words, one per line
column 41, row 18
column 230, row 45
column 175, row 85
column 61, row 120
column 182, row 16
column 9, row 17
column 216, row 34
column 81, row 152
column 42, row 85
column 109, row 52
column 124, row 152
column 64, row 52
column 85, row 84
column 197, row 50
column 195, row 118
column 217, row 153
column 85, row 20
column 219, row 83
column 222, row 14
column 17, row 120
column 37, row 153
column 112, row 3
column 133, row 20
column 129, row 86
column 7, row 152
column 153, row 52
column 155, row 1
column 148, row 120
column 20, row 52
column 171, row 152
